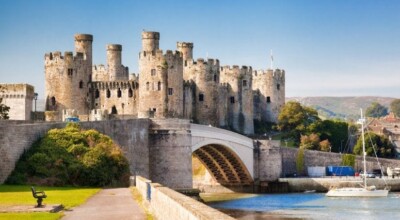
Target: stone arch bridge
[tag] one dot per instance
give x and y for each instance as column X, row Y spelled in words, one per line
column 160, row 150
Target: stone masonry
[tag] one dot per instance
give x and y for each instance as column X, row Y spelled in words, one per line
column 169, row 85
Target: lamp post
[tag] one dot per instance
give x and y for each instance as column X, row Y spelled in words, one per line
column 35, row 96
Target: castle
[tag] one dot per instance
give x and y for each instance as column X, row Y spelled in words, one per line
column 169, row 85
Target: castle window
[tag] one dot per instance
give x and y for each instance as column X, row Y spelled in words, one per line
column 170, row 91
column 153, row 72
column 81, row 84
column 159, row 86
column 97, row 94
column 114, row 110
column 108, row 93
column 130, row 93
column 244, row 83
column 53, row 101
column 278, row 86
column 147, row 86
column 268, row 99
column 185, row 62
column 232, row 99
column 215, row 77
column 119, row 93
column 201, row 97
column 70, row 72
column 154, row 109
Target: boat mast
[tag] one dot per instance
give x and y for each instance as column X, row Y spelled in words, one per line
column 363, row 147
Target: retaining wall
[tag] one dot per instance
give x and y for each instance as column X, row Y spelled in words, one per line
column 166, row 203
column 130, row 135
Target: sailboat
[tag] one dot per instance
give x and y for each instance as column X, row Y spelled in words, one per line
column 364, row 190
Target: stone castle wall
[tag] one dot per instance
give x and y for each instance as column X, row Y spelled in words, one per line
column 171, row 85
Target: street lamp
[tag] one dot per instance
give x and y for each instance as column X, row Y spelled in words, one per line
column 35, row 95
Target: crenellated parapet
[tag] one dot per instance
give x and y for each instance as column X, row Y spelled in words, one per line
column 115, row 85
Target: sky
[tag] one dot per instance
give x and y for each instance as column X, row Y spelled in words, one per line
column 326, row 47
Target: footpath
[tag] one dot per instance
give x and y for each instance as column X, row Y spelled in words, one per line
column 108, row 204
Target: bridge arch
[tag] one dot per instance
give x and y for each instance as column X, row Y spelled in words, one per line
column 228, row 156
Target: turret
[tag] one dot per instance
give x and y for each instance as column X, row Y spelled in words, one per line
column 186, row 49
column 114, row 62
column 150, row 41
column 83, row 44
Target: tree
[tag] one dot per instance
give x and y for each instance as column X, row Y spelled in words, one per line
column 335, row 131
column 376, row 110
column 71, row 156
column 383, row 147
column 4, row 109
column 325, row 145
column 300, row 161
column 395, row 107
column 295, row 119
column 310, row 142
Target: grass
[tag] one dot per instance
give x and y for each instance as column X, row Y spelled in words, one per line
column 139, row 198
column 22, row 195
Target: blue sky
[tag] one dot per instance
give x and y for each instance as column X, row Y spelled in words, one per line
column 327, row 47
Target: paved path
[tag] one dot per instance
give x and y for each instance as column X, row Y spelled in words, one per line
column 108, row 204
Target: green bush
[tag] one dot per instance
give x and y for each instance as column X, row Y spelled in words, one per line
column 348, row 160
column 71, row 156
column 300, row 161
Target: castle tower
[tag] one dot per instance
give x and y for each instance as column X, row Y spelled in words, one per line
column 153, row 81
column 150, row 41
column 67, row 78
column 114, row 62
column 269, row 94
column 186, row 49
column 83, row 44
column 240, row 101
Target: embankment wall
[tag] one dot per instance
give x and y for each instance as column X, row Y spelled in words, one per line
column 166, row 203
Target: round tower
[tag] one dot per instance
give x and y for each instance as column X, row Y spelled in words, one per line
column 150, row 41
column 114, row 62
column 186, row 48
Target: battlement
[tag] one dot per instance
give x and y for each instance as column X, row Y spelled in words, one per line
column 200, row 61
column 277, row 73
column 235, row 70
column 57, row 55
column 151, row 35
column 84, row 37
column 159, row 54
column 115, row 85
column 115, row 47
column 184, row 45
column 99, row 67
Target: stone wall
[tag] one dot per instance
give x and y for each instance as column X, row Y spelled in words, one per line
column 130, row 135
column 170, row 153
column 269, row 161
column 319, row 158
column 166, row 203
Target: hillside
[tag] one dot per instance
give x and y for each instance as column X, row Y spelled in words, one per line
column 341, row 107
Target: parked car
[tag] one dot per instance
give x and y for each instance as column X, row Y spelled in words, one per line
column 368, row 175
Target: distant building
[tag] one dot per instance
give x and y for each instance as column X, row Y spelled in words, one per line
column 19, row 98
column 388, row 126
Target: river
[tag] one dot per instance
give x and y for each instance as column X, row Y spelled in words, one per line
column 310, row 206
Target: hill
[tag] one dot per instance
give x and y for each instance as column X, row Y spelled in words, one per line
column 341, row 107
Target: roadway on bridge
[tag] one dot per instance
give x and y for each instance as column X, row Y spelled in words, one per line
column 108, row 204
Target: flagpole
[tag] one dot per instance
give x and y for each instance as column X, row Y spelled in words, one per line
column 272, row 61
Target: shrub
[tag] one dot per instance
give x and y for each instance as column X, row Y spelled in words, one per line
column 71, row 156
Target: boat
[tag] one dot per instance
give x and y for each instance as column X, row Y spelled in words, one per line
column 364, row 190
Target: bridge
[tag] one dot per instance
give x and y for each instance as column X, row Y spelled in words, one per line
column 227, row 155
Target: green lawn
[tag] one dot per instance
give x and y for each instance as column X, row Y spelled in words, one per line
column 22, row 195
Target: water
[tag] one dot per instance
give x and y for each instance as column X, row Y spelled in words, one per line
column 311, row 206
